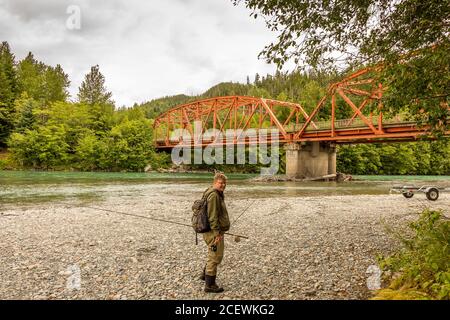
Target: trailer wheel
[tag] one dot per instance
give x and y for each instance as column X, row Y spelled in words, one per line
column 432, row 194
column 408, row 194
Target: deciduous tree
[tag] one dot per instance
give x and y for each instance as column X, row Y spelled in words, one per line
column 409, row 38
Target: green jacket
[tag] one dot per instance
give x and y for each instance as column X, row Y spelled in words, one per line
column 217, row 211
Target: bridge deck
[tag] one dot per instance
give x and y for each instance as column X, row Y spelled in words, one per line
column 356, row 132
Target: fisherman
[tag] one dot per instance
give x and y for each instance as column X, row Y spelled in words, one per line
column 219, row 223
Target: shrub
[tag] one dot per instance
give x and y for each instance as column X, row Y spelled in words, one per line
column 422, row 266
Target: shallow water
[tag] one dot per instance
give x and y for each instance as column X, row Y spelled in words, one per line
column 30, row 187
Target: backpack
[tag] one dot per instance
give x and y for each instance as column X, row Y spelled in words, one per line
column 200, row 221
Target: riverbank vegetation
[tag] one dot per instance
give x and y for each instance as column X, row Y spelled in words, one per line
column 42, row 128
column 421, row 269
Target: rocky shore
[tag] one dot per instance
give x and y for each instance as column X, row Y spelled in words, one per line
column 298, row 248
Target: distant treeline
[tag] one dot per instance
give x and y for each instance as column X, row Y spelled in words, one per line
column 41, row 128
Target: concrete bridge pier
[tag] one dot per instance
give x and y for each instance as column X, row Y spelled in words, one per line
column 310, row 159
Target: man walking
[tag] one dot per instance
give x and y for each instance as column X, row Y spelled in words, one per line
column 219, row 223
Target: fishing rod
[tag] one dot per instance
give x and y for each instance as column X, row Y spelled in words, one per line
column 155, row 219
column 243, row 212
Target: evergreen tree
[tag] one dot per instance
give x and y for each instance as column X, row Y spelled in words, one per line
column 41, row 82
column 56, row 82
column 30, row 74
column 8, row 91
column 24, row 113
column 92, row 90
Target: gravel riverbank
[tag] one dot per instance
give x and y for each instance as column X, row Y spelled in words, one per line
column 299, row 248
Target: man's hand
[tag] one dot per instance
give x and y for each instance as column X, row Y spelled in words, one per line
column 217, row 239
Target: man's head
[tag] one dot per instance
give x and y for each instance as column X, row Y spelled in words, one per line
column 220, row 181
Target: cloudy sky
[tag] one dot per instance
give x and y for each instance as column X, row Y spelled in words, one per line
column 145, row 49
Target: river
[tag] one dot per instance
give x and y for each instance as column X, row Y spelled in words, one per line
column 19, row 188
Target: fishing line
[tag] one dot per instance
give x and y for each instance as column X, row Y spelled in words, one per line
column 243, row 212
column 149, row 218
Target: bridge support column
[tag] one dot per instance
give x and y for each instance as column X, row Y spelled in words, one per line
column 310, row 159
column 292, row 159
column 332, row 158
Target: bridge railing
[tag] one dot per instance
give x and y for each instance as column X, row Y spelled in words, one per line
column 345, row 124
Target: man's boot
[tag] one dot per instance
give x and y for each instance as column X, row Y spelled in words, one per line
column 210, row 284
column 202, row 275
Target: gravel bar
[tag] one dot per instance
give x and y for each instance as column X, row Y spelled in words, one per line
column 299, row 247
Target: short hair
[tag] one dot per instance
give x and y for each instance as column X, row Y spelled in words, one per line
column 220, row 176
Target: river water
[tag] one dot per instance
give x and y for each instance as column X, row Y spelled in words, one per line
column 19, row 188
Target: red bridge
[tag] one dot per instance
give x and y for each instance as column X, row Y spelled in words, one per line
column 358, row 95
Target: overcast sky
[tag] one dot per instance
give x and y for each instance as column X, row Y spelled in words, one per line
column 145, row 49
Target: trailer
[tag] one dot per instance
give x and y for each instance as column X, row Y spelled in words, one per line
column 432, row 192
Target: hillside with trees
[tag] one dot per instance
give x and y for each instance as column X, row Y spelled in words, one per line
column 41, row 128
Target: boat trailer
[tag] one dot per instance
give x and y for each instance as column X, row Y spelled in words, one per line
column 432, row 192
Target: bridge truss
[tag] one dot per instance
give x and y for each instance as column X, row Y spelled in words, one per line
column 358, row 96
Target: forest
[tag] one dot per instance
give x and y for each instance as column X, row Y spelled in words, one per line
column 43, row 128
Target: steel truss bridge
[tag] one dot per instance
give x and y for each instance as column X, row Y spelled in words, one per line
column 358, row 94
